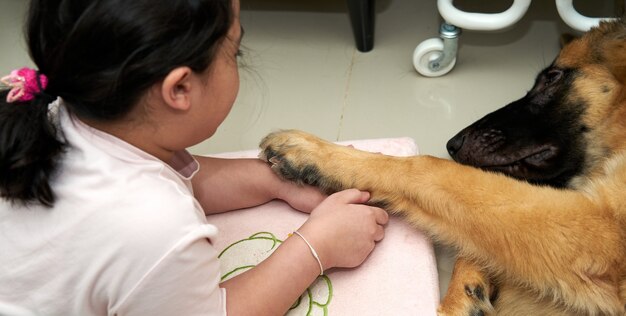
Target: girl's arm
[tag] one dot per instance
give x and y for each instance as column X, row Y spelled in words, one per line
column 228, row 184
column 275, row 284
column 342, row 230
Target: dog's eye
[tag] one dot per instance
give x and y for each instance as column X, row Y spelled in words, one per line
column 553, row 76
column 546, row 85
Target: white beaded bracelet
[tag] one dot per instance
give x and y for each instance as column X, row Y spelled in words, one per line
column 312, row 251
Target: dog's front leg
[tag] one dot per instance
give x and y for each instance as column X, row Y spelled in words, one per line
column 538, row 236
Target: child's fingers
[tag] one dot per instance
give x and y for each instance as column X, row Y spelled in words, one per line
column 380, row 233
column 352, row 196
column 382, row 217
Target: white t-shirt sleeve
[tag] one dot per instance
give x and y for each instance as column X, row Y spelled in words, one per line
column 184, row 282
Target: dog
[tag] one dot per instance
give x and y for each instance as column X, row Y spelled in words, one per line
column 534, row 201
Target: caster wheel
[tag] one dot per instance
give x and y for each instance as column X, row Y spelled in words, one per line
column 427, row 51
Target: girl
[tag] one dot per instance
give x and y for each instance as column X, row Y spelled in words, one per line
column 103, row 210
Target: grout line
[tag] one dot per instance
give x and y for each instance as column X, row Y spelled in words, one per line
column 345, row 94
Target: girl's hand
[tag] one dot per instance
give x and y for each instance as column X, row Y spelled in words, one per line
column 303, row 198
column 343, row 230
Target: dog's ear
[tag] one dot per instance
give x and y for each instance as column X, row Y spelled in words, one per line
column 566, row 38
column 614, row 53
column 613, row 48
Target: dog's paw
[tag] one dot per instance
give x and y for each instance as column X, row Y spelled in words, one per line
column 473, row 300
column 296, row 156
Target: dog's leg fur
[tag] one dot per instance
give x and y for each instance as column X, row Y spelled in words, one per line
column 559, row 245
column 472, row 292
column 515, row 301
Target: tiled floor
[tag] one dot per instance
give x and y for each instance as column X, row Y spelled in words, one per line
column 301, row 70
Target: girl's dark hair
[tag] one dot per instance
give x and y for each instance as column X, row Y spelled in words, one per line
column 100, row 56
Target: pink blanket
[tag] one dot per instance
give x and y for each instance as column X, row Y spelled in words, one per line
column 398, row 278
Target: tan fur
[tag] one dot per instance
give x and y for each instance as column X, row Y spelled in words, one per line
column 578, row 260
column 548, row 251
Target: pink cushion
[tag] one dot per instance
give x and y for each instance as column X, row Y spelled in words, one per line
column 398, row 278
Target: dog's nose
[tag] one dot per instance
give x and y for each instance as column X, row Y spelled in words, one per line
column 455, row 144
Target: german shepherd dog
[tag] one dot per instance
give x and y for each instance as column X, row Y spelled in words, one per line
column 535, row 201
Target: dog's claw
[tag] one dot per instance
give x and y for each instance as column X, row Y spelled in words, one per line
column 274, row 160
column 475, row 292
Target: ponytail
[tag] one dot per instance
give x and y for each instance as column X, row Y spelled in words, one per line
column 29, row 149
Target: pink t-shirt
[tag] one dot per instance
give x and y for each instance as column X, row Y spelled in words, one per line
column 125, row 236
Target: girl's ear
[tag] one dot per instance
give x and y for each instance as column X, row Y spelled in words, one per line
column 176, row 88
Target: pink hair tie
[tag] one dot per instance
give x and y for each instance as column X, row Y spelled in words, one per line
column 24, row 83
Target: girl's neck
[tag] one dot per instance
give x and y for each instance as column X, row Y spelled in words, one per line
column 136, row 133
